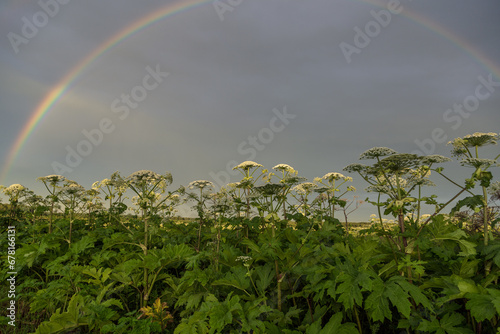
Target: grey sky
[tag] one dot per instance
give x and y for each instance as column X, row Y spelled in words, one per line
column 226, row 77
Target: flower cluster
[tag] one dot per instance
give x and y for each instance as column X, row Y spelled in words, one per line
column 284, row 167
column 14, row 188
column 243, row 258
column 143, row 176
column 52, row 179
column 376, row 152
column 478, row 163
column 246, row 165
column 335, row 176
column 434, row 159
column 200, row 184
column 72, row 188
column 304, row 188
column 355, row 167
column 477, row 139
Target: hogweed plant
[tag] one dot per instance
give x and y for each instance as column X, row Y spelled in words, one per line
column 288, row 177
column 35, row 205
column 72, row 197
column 15, row 192
column 92, row 203
column 203, row 188
column 53, row 184
column 248, row 169
column 113, row 189
column 329, row 185
column 301, row 193
column 467, row 149
column 395, row 175
column 145, row 184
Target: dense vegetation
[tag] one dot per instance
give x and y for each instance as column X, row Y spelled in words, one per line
column 265, row 255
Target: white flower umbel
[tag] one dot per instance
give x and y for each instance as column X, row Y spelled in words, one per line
column 284, row 167
column 304, row 188
column 246, row 165
column 200, row 184
column 376, row 152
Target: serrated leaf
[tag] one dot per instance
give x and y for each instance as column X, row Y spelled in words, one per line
column 265, row 276
column 377, row 304
column 451, row 323
column 414, row 292
column 480, row 306
column 398, row 298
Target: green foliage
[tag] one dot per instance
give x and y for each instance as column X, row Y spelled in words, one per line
column 297, row 272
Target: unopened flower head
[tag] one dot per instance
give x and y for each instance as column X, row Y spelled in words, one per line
column 246, row 165
column 377, row 152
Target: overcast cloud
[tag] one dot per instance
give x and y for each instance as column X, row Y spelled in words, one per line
column 225, row 78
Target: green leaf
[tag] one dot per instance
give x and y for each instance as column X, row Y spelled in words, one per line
column 377, row 304
column 492, row 252
column 221, row 314
column 62, row 322
column 265, row 276
column 334, row 325
column 415, row 292
column 481, row 306
column 236, row 279
column 398, row 298
column 451, row 323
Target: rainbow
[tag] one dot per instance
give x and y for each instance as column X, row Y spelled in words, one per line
column 62, row 86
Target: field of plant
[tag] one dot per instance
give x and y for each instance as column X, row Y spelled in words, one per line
column 272, row 253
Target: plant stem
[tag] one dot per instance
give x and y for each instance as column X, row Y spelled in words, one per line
column 485, row 216
column 357, row 320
